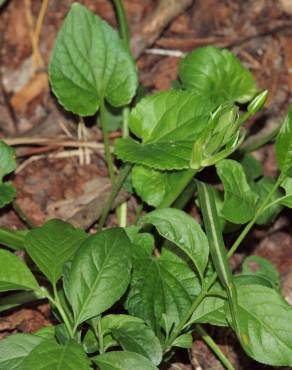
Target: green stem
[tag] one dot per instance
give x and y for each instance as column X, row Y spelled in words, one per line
column 116, row 188
column 57, row 303
column 123, row 23
column 185, row 196
column 11, row 239
column 125, row 35
column 212, row 279
column 23, row 216
column 122, row 210
column 247, row 228
column 206, row 337
column 180, row 186
column 104, row 127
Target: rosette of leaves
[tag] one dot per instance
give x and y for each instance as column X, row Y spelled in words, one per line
column 7, row 165
column 190, row 128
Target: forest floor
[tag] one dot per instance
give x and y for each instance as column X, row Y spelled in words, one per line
column 58, row 178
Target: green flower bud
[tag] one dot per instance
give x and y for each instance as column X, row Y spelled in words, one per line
column 257, row 102
column 222, row 127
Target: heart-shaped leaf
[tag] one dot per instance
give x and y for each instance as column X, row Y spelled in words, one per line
column 99, row 274
column 90, row 63
column 51, row 245
column 217, row 74
column 168, row 123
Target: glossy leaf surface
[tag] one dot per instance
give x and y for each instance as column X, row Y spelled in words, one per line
column 183, row 230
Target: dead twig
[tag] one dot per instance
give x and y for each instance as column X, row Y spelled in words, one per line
column 155, row 23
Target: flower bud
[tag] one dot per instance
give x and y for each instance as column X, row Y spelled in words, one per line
column 257, row 102
column 221, row 128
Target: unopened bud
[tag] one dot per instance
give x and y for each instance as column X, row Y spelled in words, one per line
column 257, row 102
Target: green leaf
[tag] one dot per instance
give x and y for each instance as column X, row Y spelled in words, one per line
column 264, row 320
column 100, row 273
column 142, row 243
column 90, row 342
column 17, row 299
column 168, row 123
column 253, row 168
column 15, row 348
column 160, row 156
column 2, row 2
column 213, row 231
column 134, row 336
column 252, row 279
column 51, row 245
column 161, row 287
column 123, row 361
column 7, row 165
column 54, row 356
column 261, row 267
column 211, row 309
column 182, row 230
column 263, row 188
column 7, row 193
column 287, row 185
column 183, row 341
column 14, row 274
column 239, row 200
column 284, row 144
column 89, row 63
column 12, row 239
column 217, row 74
column 46, row 332
column 152, row 185
column 8, row 162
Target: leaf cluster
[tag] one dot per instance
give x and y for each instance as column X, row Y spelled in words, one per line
column 122, row 298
